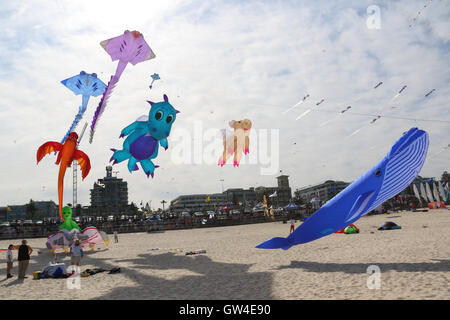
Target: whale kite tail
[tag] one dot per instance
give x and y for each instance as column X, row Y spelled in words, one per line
column 275, row 243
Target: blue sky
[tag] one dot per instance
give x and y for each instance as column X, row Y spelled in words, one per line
column 219, row 61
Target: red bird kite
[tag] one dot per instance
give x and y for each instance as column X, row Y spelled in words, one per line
column 68, row 152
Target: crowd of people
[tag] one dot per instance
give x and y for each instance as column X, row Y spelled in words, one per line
column 124, row 224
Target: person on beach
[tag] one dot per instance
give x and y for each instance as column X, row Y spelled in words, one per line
column 9, row 261
column 116, row 237
column 77, row 253
column 24, row 258
column 292, row 226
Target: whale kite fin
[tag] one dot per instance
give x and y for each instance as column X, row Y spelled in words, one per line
column 359, row 205
column 275, row 243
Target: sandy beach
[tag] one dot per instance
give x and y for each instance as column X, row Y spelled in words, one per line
column 414, row 264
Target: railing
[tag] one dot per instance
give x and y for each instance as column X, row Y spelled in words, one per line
column 141, row 226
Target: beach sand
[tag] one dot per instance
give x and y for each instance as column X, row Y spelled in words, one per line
column 414, row 264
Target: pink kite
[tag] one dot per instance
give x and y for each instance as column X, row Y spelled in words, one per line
column 88, row 238
column 127, row 48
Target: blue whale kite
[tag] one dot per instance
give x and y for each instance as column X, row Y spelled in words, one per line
column 386, row 179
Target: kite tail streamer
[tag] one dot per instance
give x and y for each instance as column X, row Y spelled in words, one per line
column 102, row 105
column 75, row 122
column 303, row 114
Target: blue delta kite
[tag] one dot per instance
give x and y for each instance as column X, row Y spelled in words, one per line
column 386, row 179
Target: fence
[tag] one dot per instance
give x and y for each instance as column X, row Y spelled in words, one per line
column 44, row 231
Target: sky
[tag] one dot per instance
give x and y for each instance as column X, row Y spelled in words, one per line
column 221, row 61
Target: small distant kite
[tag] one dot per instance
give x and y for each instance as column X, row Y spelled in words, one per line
column 155, row 77
column 418, row 14
column 320, row 102
column 373, row 120
column 348, row 108
column 338, row 116
column 379, row 84
column 298, row 103
column 309, row 110
column 401, row 90
column 429, row 93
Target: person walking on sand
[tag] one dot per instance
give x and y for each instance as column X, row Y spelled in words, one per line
column 77, row 253
column 9, row 261
column 24, row 258
column 292, row 226
column 116, row 237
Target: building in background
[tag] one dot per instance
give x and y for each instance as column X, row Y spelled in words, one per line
column 16, row 212
column 109, row 195
column 46, row 209
column 322, row 192
column 198, row 202
column 235, row 198
column 278, row 196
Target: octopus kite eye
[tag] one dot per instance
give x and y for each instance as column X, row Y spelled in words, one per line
column 169, row 118
column 159, row 115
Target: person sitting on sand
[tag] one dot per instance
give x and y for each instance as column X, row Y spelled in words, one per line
column 77, row 253
column 9, row 261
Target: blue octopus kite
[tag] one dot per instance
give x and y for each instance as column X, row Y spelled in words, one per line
column 141, row 145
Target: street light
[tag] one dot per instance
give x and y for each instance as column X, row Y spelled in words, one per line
column 163, row 202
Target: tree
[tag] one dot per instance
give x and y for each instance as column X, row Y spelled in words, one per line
column 30, row 210
column 297, row 199
column 133, row 208
column 445, row 177
column 78, row 210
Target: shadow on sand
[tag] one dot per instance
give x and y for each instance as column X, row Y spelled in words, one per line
column 207, row 279
column 211, row 280
column 309, row 266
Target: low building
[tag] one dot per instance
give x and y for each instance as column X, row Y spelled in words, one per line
column 46, row 209
column 17, row 212
column 234, row 197
column 198, row 202
column 241, row 197
column 323, row 191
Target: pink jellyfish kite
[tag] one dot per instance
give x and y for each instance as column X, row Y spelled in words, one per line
column 130, row 47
